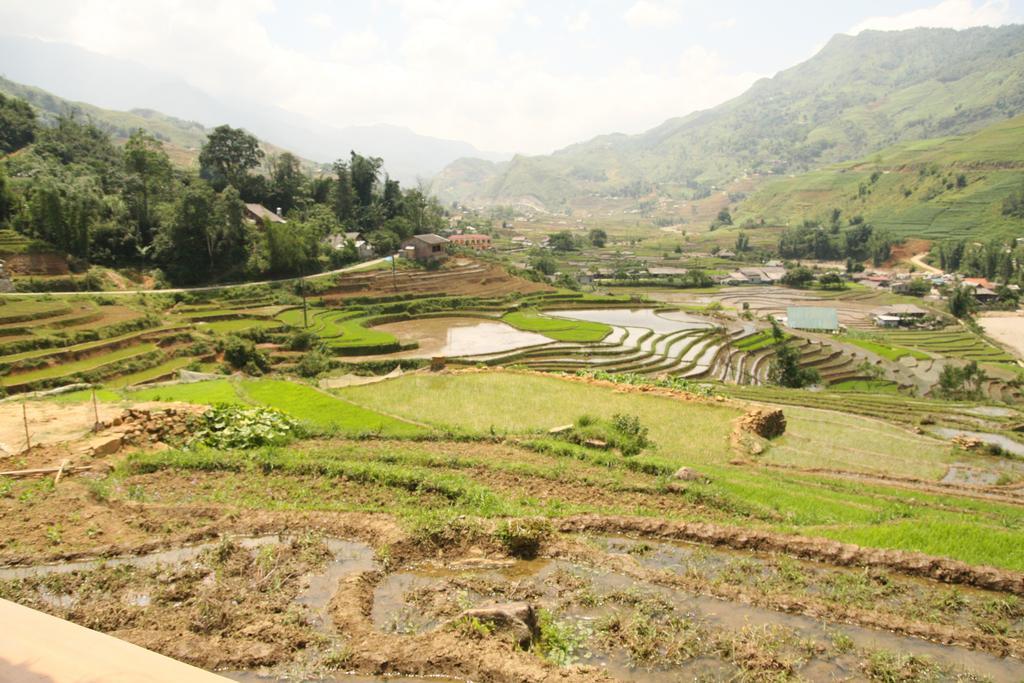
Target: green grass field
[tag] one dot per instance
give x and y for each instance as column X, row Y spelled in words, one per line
column 887, row 351
column 559, row 329
column 303, row 402
column 84, row 365
column 323, row 410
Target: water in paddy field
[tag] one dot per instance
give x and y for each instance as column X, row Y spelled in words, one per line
column 1004, row 442
column 455, row 336
column 661, row 323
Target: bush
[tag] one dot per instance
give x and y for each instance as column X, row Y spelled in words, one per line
column 302, row 340
column 622, row 432
column 242, row 354
column 313, row 363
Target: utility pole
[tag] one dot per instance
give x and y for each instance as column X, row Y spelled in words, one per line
column 394, row 275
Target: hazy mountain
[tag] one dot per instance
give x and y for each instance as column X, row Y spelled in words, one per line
column 857, row 95
column 76, row 74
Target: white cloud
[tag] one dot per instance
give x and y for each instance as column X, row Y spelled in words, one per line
column 958, row 14
column 651, row 14
column 321, row 21
column 724, row 24
column 579, row 22
column 356, row 46
column 441, row 68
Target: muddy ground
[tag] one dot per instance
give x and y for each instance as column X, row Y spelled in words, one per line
column 226, row 570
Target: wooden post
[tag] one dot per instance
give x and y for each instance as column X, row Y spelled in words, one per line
column 63, row 464
column 24, row 417
column 95, row 410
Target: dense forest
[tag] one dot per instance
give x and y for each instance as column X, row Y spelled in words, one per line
column 69, row 186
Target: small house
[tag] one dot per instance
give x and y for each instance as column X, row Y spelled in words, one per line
column 812, row 318
column 426, row 248
column 363, row 248
column 257, row 213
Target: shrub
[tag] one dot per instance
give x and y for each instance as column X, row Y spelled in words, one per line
column 313, row 363
column 242, row 354
column 622, row 432
column 302, row 340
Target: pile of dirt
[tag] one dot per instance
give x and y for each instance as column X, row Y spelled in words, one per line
column 767, row 423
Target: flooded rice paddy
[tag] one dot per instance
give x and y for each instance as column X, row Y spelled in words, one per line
column 453, row 337
column 634, row 609
column 659, row 322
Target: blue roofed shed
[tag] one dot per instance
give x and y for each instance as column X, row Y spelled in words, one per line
column 814, row 318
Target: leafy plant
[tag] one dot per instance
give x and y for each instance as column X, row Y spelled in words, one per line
column 229, row 426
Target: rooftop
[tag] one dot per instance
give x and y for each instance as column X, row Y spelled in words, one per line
column 812, row 318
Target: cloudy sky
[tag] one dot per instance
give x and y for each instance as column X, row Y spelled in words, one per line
column 507, row 75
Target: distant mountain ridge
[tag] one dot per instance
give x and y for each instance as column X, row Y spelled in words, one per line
column 857, row 95
column 76, row 74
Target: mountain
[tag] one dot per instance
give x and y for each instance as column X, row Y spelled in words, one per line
column 181, row 139
column 933, row 189
column 858, row 94
column 77, row 74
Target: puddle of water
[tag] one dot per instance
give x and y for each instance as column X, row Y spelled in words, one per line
column 461, row 336
column 958, row 473
column 392, row 610
column 990, row 411
column 252, row 677
column 1006, row 443
column 661, row 323
column 349, row 558
column 172, row 556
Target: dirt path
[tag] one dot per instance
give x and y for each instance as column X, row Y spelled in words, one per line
column 918, row 261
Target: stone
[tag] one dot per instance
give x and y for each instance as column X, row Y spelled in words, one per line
column 767, row 423
column 687, row 474
column 517, row 618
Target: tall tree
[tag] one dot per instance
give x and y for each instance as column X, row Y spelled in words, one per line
column 344, row 196
column 392, row 198
column 17, row 124
column 286, row 181
column 227, row 157
column 365, row 171
column 148, row 176
column 186, row 244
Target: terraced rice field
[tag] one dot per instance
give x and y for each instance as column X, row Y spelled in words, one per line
column 951, row 343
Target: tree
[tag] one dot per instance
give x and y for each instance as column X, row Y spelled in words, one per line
column 961, row 382
column 784, row 369
column 392, row 198
column 6, row 198
column 544, row 264
column 962, row 302
column 286, row 182
column 147, row 177
column 724, row 217
column 17, row 124
column 831, row 281
column 342, row 194
column 798, row 277
column 364, row 172
column 919, row 287
column 227, row 157
column 563, row 241
column 186, row 243
column 598, row 237
column 742, row 242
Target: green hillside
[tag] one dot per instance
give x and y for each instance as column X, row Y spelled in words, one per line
column 858, row 95
column 934, row 189
column 181, row 139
